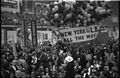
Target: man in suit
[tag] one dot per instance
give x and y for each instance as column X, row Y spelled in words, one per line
column 70, row 73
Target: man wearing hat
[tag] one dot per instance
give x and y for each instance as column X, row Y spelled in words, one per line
column 69, row 68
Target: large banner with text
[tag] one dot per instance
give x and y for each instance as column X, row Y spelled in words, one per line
column 80, row 34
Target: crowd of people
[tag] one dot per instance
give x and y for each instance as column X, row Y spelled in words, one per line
column 60, row 61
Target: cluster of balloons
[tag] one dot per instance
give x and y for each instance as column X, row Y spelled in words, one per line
column 78, row 13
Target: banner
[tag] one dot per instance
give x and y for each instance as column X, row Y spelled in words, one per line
column 113, row 33
column 20, row 36
column 44, row 36
column 34, row 33
column 25, row 35
column 116, row 34
column 27, row 6
column 6, row 5
column 2, row 35
column 80, row 34
column 11, row 37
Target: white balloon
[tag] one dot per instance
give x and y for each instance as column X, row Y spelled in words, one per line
column 100, row 11
column 93, row 19
column 61, row 21
column 68, row 15
column 71, row 7
column 91, row 7
column 80, row 16
column 85, row 12
column 78, row 21
column 88, row 15
column 97, row 10
column 85, row 21
column 56, row 8
column 67, row 6
column 103, row 11
column 89, row 19
column 108, row 11
column 56, row 15
column 55, row 3
column 53, row 9
column 88, row 5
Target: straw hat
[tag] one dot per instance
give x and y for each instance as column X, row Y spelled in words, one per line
column 69, row 59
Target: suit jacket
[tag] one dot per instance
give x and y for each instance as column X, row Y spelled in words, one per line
column 70, row 73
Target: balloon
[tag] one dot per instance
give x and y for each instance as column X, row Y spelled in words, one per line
column 89, row 19
column 104, row 3
column 56, row 16
column 88, row 5
column 80, row 16
column 78, row 21
column 51, row 21
column 88, row 15
column 77, row 25
column 67, row 6
column 55, row 3
column 61, row 21
column 68, row 16
column 71, row 7
column 100, row 12
column 97, row 10
column 104, row 10
column 56, row 8
column 82, row 10
column 53, row 9
column 91, row 7
column 108, row 10
column 85, row 13
column 93, row 19
column 85, row 21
